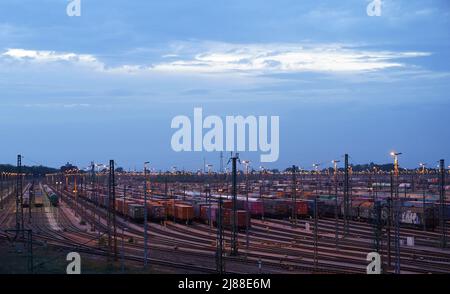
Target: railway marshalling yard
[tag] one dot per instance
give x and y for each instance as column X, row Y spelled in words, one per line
column 182, row 236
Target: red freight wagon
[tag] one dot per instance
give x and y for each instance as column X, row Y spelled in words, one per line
column 302, row 208
column 255, row 208
column 184, row 213
column 208, row 212
column 241, row 218
column 227, row 204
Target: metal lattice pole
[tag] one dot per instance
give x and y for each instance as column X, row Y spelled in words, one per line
column 112, row 236
column 234, row 241
column 346, row 196
column 19, row 195
column 145, row 217
column 336, row 208
column 219, row 248
column 442, row 202
column 294, row 195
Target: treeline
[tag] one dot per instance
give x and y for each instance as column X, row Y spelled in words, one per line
column 357, row 167
column 31, row 170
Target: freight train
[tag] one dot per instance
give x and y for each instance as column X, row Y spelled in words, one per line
column 38, row 199
column 194, row 206
column 412, row 213
column 52, row 197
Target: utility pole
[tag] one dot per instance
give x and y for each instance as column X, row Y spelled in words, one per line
column 294, row 195
column 220, row 266
column 145, row 216
column 316, row 234
column 93, row 195
column 30, row 201
column 247, row 241
column 377, row 225
column 389, row 224
column 422, row 182
column 234, row 242
column 442, row 202
column 335, row 163
column 19, row 195
column 112, row 233
column 346, row 196
column 397, row 212
column 221, row 162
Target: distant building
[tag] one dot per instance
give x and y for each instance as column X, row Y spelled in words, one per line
column 68, row 167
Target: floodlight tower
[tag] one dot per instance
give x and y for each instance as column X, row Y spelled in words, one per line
column 395, row 155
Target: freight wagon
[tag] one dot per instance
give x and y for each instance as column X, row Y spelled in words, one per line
column 413, row 213
column 241, row 219
column 256, row 208
column 208, row 213
column 184, row 213
column 38, row 200
column 136, row 212
column 156, row 212
column 301, row 207
column 54, row 199
column 327, row 208
column 26, row 199
column 275, row 208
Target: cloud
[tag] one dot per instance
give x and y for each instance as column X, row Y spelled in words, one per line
column 53, row 56
column 251, row 59
column 58, row 105
column 287, row 58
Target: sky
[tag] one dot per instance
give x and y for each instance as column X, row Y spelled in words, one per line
column 106, row 85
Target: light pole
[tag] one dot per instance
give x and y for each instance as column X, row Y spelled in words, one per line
column 423, row 181
column 262, row 170
column 316, row 216
column 335, row 163
column 247, row 163
column 145, row 216
column 395, row 155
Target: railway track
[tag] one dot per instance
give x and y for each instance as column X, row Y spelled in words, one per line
column 281, row 246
